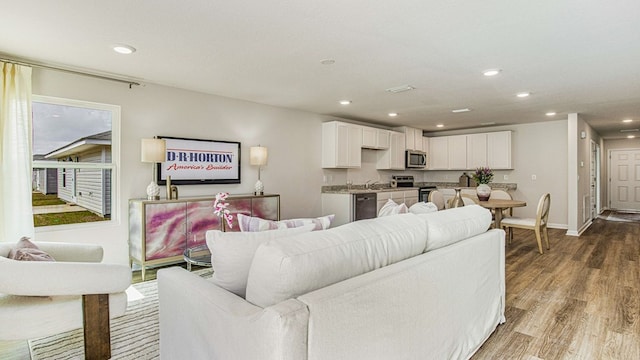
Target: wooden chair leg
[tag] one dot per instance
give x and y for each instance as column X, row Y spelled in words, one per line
column 546, row 237
column 97, row 335
column 539, row 240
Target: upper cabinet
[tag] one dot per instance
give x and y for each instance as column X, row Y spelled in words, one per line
column 457, row 151
column 462, row 152
column 413, row 138
column 341, row 145
column 393, row 158
column 373, row 138
column 476, row 150
column 438, row 153
column 499, row 150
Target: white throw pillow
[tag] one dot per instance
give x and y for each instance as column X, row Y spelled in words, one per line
column 452, row 225
column 249, row 223
column 287, row 268
column 232, row 253
column 423, row 208
column 392, row 208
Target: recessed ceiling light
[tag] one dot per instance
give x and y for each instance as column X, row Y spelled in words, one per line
column 627, row 120
column 124, row 49
column 345, row 102
column 393, row 114
column 327, row 62
column 523, row 94
column 460, row 110
column 401, row 88
column 491, row 72
column 440, row 125
column 631, row 137
column 550, row 113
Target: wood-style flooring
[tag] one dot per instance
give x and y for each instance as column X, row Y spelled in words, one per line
column 579, row 300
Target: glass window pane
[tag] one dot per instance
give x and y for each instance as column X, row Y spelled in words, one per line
column 64, row 134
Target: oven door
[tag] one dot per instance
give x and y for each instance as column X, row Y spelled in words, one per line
column 423, row 193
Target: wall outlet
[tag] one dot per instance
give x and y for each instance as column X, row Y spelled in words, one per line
column 505, row 177
column 533, row 177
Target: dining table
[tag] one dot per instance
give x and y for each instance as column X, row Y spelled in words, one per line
column 499, row 205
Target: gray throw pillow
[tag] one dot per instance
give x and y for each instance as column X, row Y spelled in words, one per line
column 25, row 250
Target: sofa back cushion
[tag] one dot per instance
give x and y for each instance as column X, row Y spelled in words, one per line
column 452, row 225
column 232, row 253
column 289, row 267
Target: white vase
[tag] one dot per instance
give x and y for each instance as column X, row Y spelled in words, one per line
column 483, row 191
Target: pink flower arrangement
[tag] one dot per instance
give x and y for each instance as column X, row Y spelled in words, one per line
column 220, row 208
column 483, row 175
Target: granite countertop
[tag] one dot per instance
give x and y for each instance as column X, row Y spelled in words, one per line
column 359, row 189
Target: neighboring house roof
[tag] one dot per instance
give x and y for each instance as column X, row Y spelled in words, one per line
column 81, row 145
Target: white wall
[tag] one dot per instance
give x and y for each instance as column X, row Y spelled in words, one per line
column 292, row 137
column 538, row 149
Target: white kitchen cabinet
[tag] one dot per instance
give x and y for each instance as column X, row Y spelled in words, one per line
column 392, row 158
column 438, row 154
column 457, row 146
column 463, row 152
column 341, row 145
column 476, row 150
column 499, row 150
column 373, row 138
column 408, row 197
column 413, row 138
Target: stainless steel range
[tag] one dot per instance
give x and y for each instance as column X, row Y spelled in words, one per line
column 403, row 180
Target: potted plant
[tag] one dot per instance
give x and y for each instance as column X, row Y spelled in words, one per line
column 483, row 177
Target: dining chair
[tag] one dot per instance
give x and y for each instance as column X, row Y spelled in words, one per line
column 539, row 224
column 437, row 198
column 501, row 195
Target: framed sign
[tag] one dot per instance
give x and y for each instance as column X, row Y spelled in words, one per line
column 197, row 161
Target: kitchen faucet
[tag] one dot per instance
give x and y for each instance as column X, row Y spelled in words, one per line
column 368, row 183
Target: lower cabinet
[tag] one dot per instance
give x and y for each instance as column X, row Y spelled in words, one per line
column 160, row 231
column 408, row 197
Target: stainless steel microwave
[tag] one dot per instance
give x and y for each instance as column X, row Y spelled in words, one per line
column 416, row 159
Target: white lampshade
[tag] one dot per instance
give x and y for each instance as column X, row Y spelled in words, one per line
column 258, row 155
column 153, row 150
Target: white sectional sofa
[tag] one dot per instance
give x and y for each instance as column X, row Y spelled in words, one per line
column 408, row 286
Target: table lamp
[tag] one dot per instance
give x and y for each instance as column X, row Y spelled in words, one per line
column 153, row 151
column 258, row 156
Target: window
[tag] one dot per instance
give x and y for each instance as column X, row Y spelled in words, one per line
column 75, row 152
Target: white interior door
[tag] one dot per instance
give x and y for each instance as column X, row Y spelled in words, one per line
column 624, row 177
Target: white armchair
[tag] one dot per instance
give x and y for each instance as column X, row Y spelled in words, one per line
column 45, row 298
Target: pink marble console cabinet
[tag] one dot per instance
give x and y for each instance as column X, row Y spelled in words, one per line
column 160, row 231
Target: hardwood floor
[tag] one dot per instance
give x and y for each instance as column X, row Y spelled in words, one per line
column 579, row 300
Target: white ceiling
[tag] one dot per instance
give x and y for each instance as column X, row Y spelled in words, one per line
column 573, row 55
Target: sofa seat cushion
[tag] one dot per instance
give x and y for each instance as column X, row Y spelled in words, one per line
column 232, row 253
column 26, row 317
column 452, row 225
column 286, row 268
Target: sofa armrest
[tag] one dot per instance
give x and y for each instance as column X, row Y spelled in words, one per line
column 44, row 278
column 66, row 252
column 199, row 320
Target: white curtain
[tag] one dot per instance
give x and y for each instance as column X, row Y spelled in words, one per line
column 16, row 215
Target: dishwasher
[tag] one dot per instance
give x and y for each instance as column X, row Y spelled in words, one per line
column 365, row 206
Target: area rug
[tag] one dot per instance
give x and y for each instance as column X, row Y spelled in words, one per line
column 624, row 216
column 134, row 335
